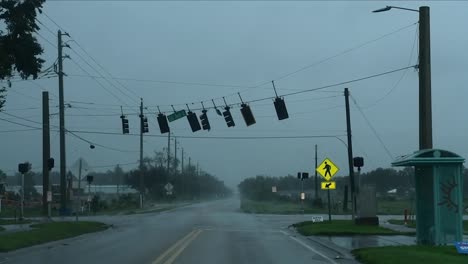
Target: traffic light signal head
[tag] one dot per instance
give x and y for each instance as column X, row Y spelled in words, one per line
column 89, row 179
column 281, row 110
column 50, row 163
column 125, row 128
column 163, row 124
column 228, row 117
column 204, row 120
column 144, row 124
column 247, row 114
column 193, row 121
column 24, row 167
column 358, row 161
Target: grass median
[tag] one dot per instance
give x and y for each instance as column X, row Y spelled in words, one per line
column 409, row 254
column 47, row 232
column 14, row 222
column 343, row 228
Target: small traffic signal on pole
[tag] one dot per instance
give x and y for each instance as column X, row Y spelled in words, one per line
column 50, row 163
column 281, row 110
column 358, row 162
column 193, row 121
column 247, row 114
column 125, row 128
column 24, row 167
column 144, row 124
column 204, row 120
column 228, row 117
column 163, row 124
column 89, row 179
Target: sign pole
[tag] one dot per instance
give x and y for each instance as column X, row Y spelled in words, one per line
column 329, row 207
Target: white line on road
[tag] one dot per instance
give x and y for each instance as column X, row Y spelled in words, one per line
column 309, row 247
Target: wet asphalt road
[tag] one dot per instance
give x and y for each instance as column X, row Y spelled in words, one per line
column 210, row 232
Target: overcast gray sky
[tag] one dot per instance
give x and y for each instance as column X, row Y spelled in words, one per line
column 241, row 45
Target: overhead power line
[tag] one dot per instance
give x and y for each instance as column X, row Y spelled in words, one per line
column 96, row 144
column 210, row 137
column 373, row 129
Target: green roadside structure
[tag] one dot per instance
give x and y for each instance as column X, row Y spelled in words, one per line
column 439, row 195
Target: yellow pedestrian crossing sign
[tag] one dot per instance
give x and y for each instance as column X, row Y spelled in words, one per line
column 327, row 169
column 328, row 185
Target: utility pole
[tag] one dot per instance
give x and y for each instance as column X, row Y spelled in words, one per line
column 425, row 105
column 141, row 154
column 45, row 150
column 175, row 155
column 189, row 162
column 182, row 162
column 350, row 154
column 168, row 151
column 316, row 178
column 78, row 199
column 63, row 168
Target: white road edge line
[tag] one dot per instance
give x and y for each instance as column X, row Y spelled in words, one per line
column 309, row 247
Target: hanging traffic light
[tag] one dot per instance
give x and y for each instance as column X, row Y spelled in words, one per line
column 247, row 114
column 163, row 124
column 228, row 117
column 281, row 110
column 204, row 120
column 280, row 106
column 125, row 128
column 193, row 121
column 144, row 124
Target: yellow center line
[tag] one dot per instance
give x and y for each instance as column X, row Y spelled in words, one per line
column 182, row 247
column 174, row 247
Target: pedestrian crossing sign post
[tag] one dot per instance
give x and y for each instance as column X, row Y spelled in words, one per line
column 327, row 169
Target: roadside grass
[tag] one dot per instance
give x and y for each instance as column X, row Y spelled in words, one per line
column 343, row 228
column 47, row 232
column 1, row 229
column 409, row 254
column 412, row 224
column 14, row 222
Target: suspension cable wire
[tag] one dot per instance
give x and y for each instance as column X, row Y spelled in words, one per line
column 100, row 84
column 96, row 144
column 112, row 84
column 95, row 61
column 373, row 129
column 208, row 137
column 106, row 71
column 19, row 124
column 333, row 56
column 397, row 83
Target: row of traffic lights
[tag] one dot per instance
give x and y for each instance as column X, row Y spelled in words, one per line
column 143, row 124
column 192, row 118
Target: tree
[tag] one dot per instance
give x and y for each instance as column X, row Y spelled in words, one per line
column 19, row 49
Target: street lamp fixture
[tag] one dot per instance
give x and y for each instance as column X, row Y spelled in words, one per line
column 387, row 8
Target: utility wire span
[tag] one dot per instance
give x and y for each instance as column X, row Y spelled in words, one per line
column 93, row 68
column 208, row 137
column 95, row 144
column 19, row 124
column 19, row 130
column 106, row 71
column 334, row 56
column 113, row 165
column 100, row 84
column 373, row 129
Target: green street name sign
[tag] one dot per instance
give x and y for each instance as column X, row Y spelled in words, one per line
column 176, row 115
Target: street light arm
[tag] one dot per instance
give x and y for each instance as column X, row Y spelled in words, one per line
column 387, row 8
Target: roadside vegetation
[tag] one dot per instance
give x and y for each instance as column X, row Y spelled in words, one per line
column 47, row 232
column 409, row 254
column 395, row 193
column 342, row 228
